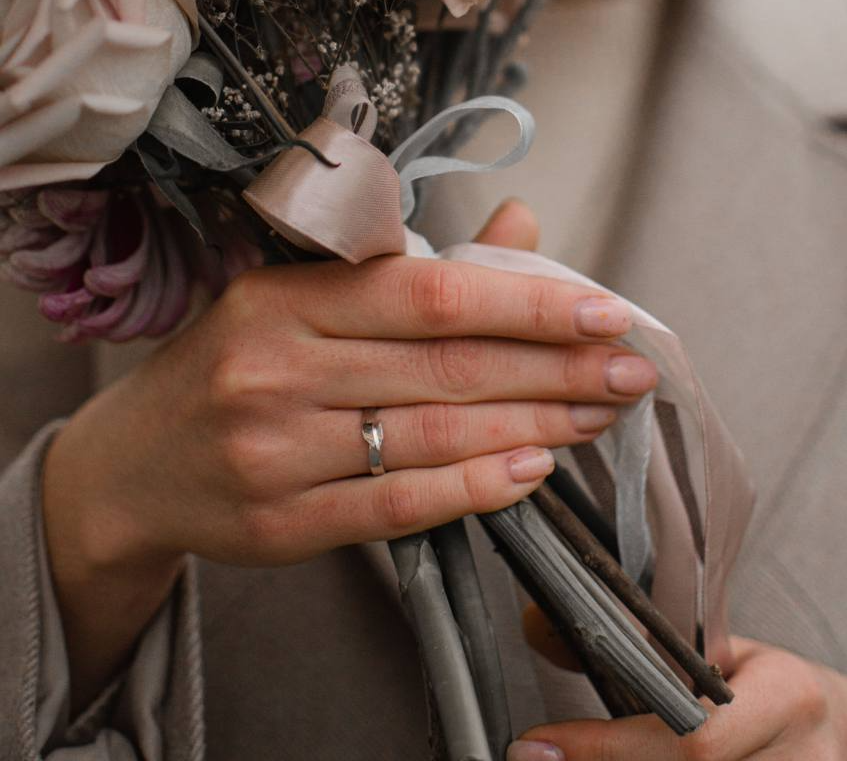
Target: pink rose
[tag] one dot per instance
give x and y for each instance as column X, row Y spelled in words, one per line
column 80, row 79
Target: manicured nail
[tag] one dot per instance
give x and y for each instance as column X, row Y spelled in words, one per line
column 588, row 418
column 603, row 317
column 531, row 465
column 630, row 375
column 524, row 750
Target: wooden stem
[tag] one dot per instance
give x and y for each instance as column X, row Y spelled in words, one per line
column 707, row 679
column 260, row 100
column 573, row 495
column 281, row 128
column 464, row 591
column 617, row 701
column 440, row 645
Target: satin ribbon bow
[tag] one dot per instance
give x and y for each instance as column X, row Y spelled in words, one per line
column 356, row 209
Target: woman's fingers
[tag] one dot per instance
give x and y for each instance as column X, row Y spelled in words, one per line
column 512, row 225
column 464, row 370
column 429, row 435
column 401, row 297
column 771, row 695
column 402, row 502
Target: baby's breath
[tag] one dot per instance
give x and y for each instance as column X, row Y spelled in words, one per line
column 290, row 47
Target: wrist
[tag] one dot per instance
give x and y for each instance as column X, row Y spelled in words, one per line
column 94, row 509
column 109, row 572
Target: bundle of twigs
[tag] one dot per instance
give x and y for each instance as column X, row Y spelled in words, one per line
column 579, row 584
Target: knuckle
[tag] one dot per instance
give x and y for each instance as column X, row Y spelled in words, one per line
column 811, row 702
column 244, row 377
column 236, row 380
column 703, row 745
column 544, row 422
column 240, row 297
column 260, row 529
column 597, row 742
column 826, row 749
column 540, row 303
column 475, row 484
column 228, row 381
column 437, row 293
column 245, row 457
column 258, row 299
column 401, row 506
column 573, row 368
column 458, row 365
column 606, row 748
column 444, row 428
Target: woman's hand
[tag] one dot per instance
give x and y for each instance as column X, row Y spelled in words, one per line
column 785, row 709
column 241, row 439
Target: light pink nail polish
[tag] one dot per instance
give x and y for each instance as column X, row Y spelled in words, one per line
column 525, row 750
column 588, row 418
column 630, row 375
column 531, row 465
column 603, row 317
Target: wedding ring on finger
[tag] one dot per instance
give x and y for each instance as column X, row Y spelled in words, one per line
column 373, row 436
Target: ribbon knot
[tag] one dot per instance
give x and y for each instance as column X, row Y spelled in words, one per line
column 356, row 210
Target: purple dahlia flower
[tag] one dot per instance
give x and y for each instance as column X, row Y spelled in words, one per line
column 107, row 264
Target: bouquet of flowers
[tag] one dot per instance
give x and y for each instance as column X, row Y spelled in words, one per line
column 248, row 140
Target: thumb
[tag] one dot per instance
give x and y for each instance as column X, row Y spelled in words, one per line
column 512, row 225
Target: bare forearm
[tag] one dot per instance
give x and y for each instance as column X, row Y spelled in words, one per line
column 108, row 585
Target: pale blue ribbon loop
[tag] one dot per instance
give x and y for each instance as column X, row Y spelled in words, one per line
column 411, row 166
column 632, row 436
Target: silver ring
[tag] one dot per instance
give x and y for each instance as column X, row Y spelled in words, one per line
column 373, row 435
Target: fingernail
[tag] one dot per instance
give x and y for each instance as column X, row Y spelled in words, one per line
column 587, row 418
column 531, row 465
column 603, row 317
column 630, row 375
column 524, row 750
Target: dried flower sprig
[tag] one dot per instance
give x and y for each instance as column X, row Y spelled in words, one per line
column 299, row 43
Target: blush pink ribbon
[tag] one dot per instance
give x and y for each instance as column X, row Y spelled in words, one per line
column 351, row 210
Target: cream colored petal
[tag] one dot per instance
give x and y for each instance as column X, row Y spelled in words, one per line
column 189, row 8
column 36, row 175
column 109, row 84
column 36, row 128
column 7, row 47
column 34, row 16
column 69, row 17
column 460, row 7
column 175, row 16
column 116, row 121
column 43, row 135
column 57, row 68
column 131, row 11
column 129, row 36
column 5, row 6
column 85, row 95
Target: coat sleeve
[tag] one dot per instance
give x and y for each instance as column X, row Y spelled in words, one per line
column 151, row 712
